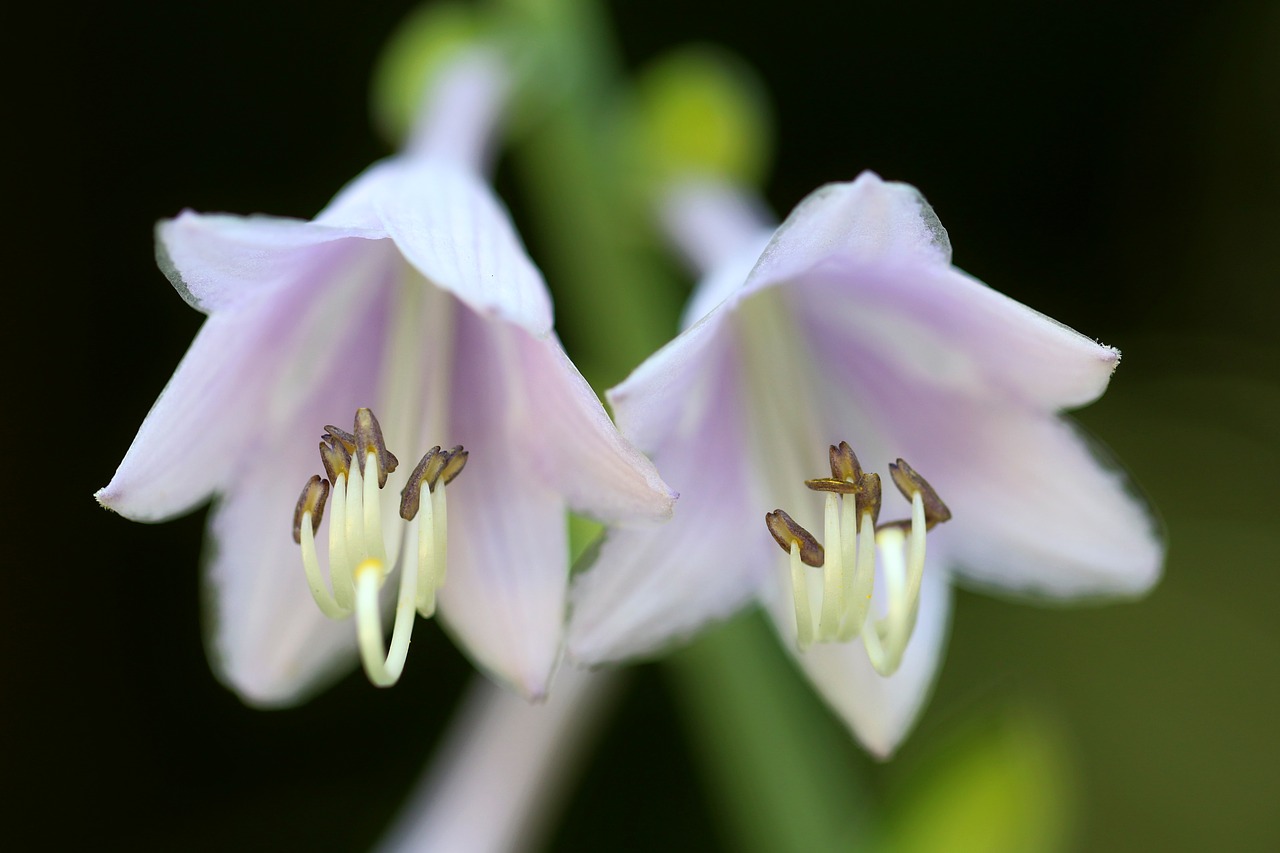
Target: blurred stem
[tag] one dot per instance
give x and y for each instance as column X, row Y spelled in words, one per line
column 784, row 772
column 616, row 302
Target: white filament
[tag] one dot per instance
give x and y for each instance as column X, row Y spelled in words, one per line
column 849, row 581
column 432, row 534
column 833, row 603
column 383, row 669
column 800, row 592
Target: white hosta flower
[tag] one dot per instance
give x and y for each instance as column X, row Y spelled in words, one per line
column 412, row 296
column 852, row 324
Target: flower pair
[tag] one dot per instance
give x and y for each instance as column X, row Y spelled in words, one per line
column 411, row 296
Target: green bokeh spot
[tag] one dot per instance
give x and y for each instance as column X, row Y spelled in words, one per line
column 700, row 111
column 1003, row 786
column 427, row 38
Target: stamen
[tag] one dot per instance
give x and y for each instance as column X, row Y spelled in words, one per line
column 340, row 437
column 804, row 550
column 854, row 540
column 891, row 547
column 334, row 456
column 339, row 558
column 311, row 505
column 440, row 531
column 383, row 670
column 369, row 441
column 863, row 581
column 374, row 546
column 800, row 592
column 436, row 470
column 844, row 463
column 306, row 522
column 355, row 515
column 785, row 532
column 910, row 483
column 915, row 551
column 358, row 464
column 832, row 574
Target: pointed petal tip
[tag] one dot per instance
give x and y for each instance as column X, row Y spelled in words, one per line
column 104, row 498
column 881, row 749
column 533, row 687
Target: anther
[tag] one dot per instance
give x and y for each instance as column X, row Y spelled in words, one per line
column 785, row 532
column 910, row 483
column 453, row 465
column 869, row 499
column 844, row 463
column 340, row 436
column 411, row 495
column 438, row 467
column 368, row 440
column 311, row 501
column 335, row 457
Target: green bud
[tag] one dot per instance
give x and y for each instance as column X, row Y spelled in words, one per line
column 425, row 40
column 700, row 112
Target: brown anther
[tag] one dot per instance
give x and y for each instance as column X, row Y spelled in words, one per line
column 830, row 484
column 335, row 457
column 369, row 440
column 909, row 483
column 456, row 461
column 438, row 467
column 869, row 498
column 785, row 531
column 411, row 494
column 312, row 499
column 340, row 436
column 844, row 463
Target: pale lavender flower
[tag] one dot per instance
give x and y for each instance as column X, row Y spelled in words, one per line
column 850, row 323
column 410, row 294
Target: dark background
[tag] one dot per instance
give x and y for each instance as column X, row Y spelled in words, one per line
column 1114, row 165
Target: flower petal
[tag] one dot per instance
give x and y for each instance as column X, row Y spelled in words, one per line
column 452, row 228
column 508, row 539
column 570, row 441
column 869, row 219
column 249, row 368
column 1045, row 515
column 647, row 587
column 878, row 710
column 934, row 330
column 267, row 639
column 215, row 261
column 1038, row 512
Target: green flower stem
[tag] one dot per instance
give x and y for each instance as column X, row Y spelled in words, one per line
column 616, row 300
column 784, row 772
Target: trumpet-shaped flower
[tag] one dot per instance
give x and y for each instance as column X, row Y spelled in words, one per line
column 852, row 324
column 409, row 295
